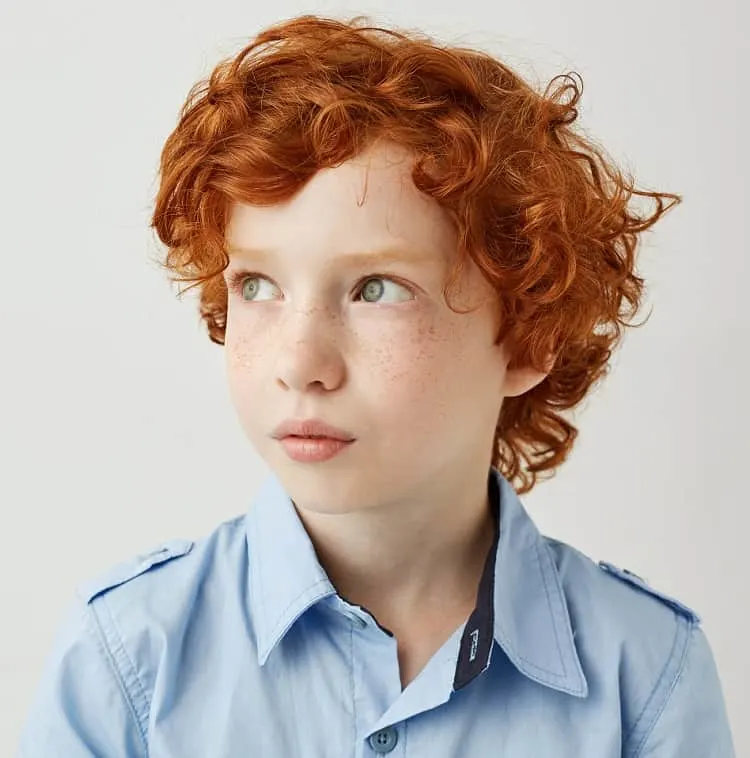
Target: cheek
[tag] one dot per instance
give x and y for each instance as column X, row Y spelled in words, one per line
column 243, row 355
column 245, row 342
column 433, row 375
column 409, row 368
column 240, row 353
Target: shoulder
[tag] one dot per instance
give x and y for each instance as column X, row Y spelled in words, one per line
column 115, row 637
column 620, row 621
column 136, row 613
column 159, row 586
column 134, row 567
column 619, row 596
column 643, row 647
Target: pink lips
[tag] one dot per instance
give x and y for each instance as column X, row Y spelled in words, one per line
column 311, row 440
column 311, row 449
column 310, row 428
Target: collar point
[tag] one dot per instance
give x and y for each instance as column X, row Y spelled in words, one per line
column 264, row 651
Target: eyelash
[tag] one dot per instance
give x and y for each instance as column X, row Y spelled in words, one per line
column 237, row 279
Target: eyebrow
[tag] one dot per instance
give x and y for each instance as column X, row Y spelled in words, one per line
column 357, row 258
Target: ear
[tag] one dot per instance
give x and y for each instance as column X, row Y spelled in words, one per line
column 524, row 378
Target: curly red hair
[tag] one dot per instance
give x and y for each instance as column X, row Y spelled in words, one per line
column 538, row 207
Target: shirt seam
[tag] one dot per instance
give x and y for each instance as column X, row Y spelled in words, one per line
column 283, row 615
column 565, row 676
column 271, row 636
column 257, row 578
column 110, row 657
column 354, row 694
column 678, row 653
column 539, row 547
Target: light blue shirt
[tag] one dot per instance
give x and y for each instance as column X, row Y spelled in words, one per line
column 238, row 646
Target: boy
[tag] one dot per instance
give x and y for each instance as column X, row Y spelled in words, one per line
column 414, row 264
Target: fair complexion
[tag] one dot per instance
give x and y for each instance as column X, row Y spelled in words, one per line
column 338, row 314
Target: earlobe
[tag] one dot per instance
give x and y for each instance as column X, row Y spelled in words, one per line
column 520, row 380
column 524, row 378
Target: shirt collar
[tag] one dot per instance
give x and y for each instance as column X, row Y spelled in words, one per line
column 520, row 604
column 286, row 577
column 520, row 599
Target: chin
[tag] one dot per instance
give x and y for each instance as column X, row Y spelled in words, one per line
column 325, row 490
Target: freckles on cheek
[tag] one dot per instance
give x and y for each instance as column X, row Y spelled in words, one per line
column 242, row 352
column 244, row 340
column 411, row 366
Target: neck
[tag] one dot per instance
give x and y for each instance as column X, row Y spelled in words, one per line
column 421, row 556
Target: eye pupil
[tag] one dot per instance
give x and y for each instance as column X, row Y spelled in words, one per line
column 373, row 288
column 250, row 287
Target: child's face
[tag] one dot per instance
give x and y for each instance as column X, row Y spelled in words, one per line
column 417, row 385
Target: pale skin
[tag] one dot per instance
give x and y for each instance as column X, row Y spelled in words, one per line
column 400, row 519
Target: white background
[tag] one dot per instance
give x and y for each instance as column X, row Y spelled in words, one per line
column 117, row 430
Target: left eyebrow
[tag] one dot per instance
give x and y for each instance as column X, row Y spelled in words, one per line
column 365, row 258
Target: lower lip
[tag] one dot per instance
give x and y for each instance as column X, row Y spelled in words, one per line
column 312, row 450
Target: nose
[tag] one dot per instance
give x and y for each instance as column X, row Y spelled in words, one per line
column 309, row 355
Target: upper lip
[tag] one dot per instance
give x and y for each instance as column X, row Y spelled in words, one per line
column 310, row 428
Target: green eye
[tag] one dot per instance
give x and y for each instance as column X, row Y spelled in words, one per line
column 252, row 288
column 374, row 288
column 247, row 286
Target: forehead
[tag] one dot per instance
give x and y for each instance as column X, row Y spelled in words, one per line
column 367, row 202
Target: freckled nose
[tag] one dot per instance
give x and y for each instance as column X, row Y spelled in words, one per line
column 309, row 355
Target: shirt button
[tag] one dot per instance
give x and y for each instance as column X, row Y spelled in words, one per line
column 385, row 740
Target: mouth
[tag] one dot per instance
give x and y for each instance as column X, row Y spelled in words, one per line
column 311, row 429
column 313, row 449
column 314, row 438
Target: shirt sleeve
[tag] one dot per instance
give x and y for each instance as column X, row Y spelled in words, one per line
column 693, row 721
column 81, row 708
